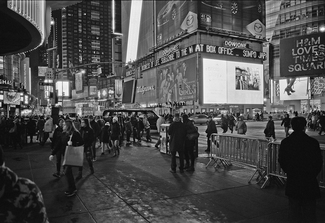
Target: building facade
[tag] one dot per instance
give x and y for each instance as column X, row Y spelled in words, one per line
column 195, row 56
column 83, row 39
column 289, row 23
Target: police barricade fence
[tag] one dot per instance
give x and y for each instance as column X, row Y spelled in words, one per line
column 274, row 170
column 240, row 149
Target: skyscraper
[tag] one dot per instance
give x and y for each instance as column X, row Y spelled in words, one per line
column 83, row 35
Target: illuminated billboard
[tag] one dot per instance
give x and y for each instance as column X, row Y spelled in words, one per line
column 232, row 82
column 294, row 88
column 63, row 88
column 302, row 55
column 173, row 18
column 232, row 15
column 177, row 81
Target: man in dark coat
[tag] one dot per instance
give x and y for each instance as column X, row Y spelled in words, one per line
column 210, row 129
column 177, row 132
column 31, row 129
column 269, row 130
column 94, row 125
column 300, row 157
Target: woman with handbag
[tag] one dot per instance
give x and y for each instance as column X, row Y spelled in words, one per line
column 88, row 136
column 69, row 137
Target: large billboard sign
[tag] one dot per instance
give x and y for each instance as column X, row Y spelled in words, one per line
column 294, row 89
column 240, row 16
column 232, row 82
column 302, row 56
column 177, row 81
column 174, row 17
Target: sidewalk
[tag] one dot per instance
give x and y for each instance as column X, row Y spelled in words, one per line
column 138, row 187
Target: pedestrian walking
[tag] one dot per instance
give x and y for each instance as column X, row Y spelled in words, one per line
column 321, row 123
column 177, row 132
column 48, row 129
column 94, row 125
column 231, row 122
column 14, row 133
column 300, row 157
column 210, row 129
column 241, row 126
column 286, row 122
column 224, row 123
column 128, row 129
column 159, row 122
column 115, row 134
column 40, row 129
column 31, row 129
column 106, row 137
column 146, row 125
column 269, row 130
column 88, row 136
column 60, row 152
column 69, row 135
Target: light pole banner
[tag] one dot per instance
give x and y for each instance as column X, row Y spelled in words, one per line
column 118, row 89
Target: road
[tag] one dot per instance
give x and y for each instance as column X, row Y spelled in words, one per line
column 256, row 129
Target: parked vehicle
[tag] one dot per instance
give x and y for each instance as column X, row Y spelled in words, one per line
column 199, row 119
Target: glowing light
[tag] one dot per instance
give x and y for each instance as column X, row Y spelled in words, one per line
column 134, row 28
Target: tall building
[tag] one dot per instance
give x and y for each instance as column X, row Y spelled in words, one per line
column 83, row 34
column 194, row 56
column 296, row 27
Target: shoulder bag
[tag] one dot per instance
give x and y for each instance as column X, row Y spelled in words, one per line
column 74, row 155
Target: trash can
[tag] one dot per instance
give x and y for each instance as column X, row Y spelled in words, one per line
column 164, row 137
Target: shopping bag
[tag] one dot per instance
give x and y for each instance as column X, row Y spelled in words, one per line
column 73, row 156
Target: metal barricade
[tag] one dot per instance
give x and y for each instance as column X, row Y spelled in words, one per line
column 273, row 167
column 215, row 155
column 261, row 162
column 274, row 170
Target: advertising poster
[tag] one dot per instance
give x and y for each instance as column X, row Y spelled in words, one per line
column 146, row 88
column 302, row 55
column 128, row 91
column 232, row 82
column 173, row 17
column 11, row 97
column 294, row 88
column 317, row 85
column 177, row 81
column 231, row 15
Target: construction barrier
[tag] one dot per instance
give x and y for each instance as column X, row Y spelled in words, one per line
column 257, row 153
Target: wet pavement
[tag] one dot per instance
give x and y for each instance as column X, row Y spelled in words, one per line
column 138, row 187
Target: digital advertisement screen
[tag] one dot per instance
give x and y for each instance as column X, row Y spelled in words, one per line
column 232, row 82
column 294, row 88
column 231, row 15
column 173, row 17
